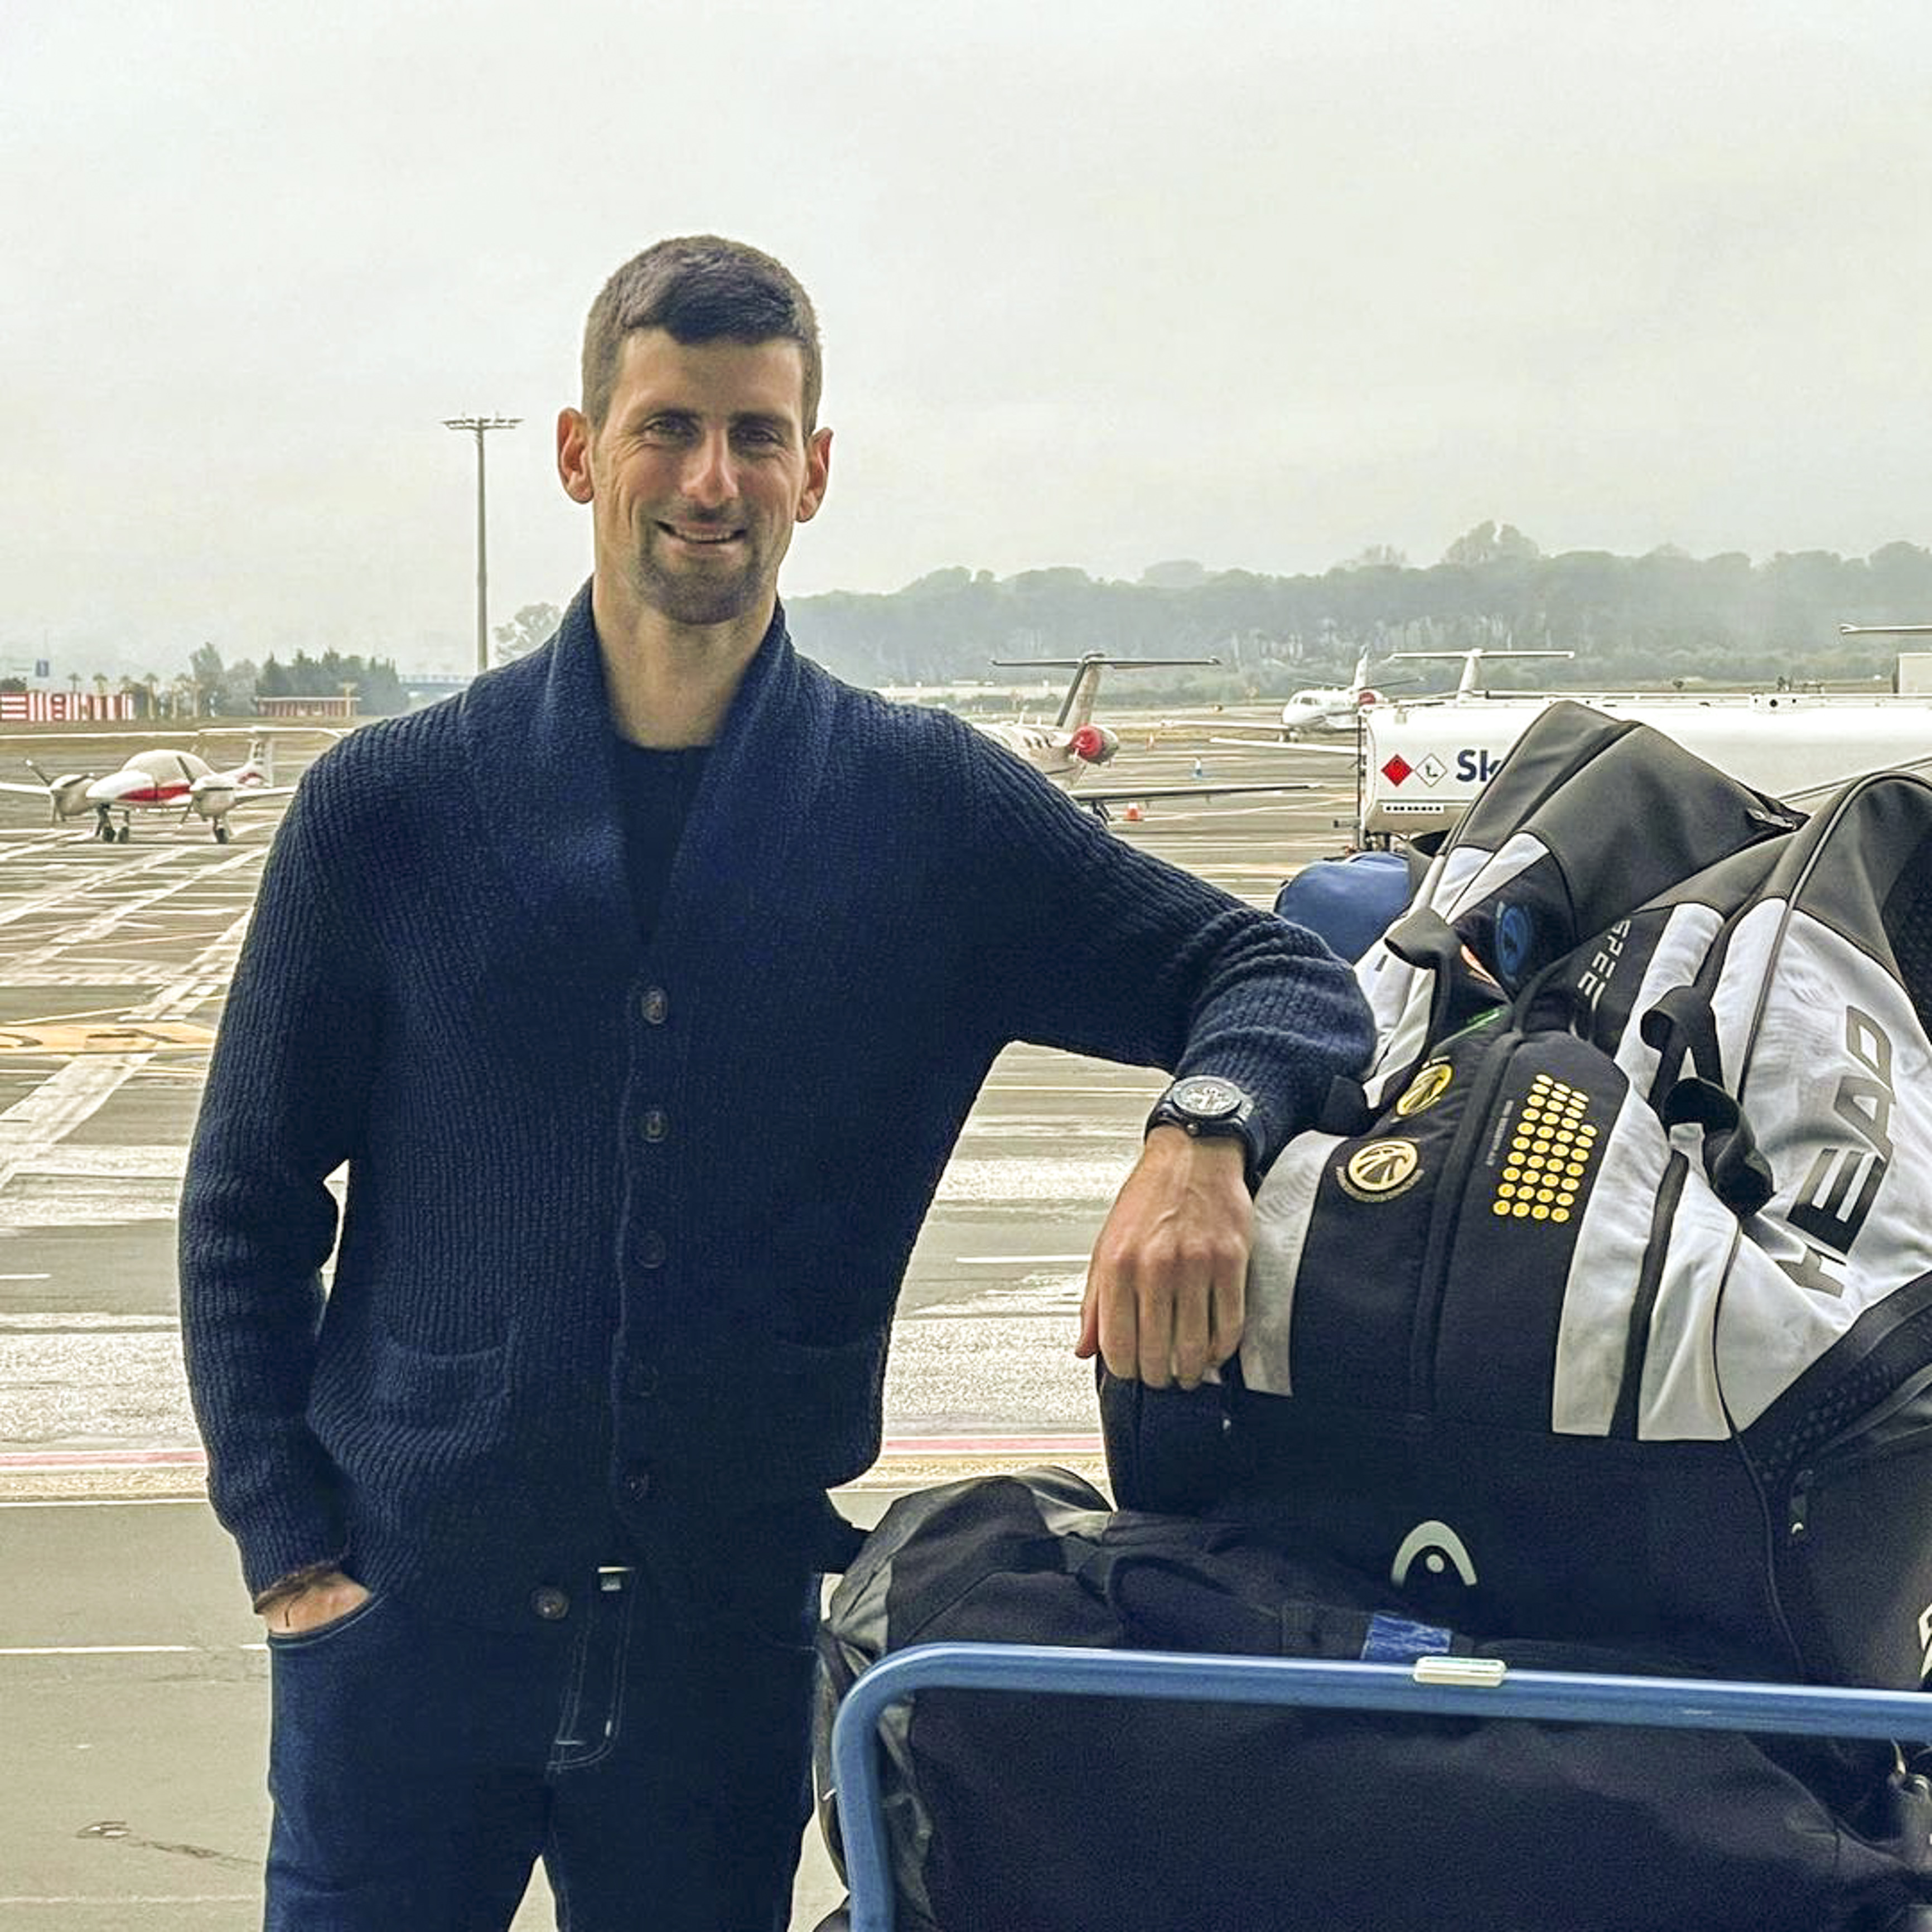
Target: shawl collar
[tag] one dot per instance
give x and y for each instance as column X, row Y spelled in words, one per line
column 537, row 737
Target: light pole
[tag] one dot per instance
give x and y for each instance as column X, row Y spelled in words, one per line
column 477, row 425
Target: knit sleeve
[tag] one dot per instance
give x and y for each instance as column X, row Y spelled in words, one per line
column 282, row 1110
column 1088, row 943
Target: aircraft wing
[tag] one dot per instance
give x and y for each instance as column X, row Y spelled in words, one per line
column 1278, row 742
column 39, row 791
column 244, row 793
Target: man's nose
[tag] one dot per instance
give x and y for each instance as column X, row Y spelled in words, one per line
column 710, row 477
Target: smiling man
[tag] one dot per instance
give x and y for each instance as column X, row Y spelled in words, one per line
column 644, row 991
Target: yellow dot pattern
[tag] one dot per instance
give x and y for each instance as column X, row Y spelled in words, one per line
column 1550, row 1149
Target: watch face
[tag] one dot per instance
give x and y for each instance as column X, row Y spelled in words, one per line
column 1206, row 1097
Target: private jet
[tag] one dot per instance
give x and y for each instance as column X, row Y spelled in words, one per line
column 1066, row 750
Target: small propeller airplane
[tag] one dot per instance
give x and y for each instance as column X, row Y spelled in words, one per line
column 157, row 780
column 1066, row 750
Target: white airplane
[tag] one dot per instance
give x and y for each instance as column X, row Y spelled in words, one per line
column 1072, row 744
column 1319, row 708
column 157, row 780
column 1468, row 684
column 1332, row 707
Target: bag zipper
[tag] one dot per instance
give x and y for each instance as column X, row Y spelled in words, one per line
column 1643, row 1303
column 1445, row 1217
column 1873, row 1445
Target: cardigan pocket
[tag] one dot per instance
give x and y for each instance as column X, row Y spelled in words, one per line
column 379, row 1406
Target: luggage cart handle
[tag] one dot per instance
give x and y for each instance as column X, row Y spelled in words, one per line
column 1670, row 1703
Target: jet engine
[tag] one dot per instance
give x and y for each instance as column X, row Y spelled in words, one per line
column 1093, row 744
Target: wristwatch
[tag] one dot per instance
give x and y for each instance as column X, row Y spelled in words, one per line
column 1207, row 1106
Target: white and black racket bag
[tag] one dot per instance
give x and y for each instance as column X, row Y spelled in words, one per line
column 1603, row 1306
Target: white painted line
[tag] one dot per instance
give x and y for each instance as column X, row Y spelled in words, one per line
column 118, row 1898
column 56, row 895
column 123, row 912
column 25, row 1277
column 34, row 1125
column 123, row 1649
column 99, row 1502
column 39, row 1323
column 98, row 1649
column 1017, row 1260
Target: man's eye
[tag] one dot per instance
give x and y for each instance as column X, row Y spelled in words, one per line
column 667, row 429
column 759, row 436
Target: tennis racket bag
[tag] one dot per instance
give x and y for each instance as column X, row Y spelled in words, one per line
column 1007, row 1813
column 1603, row 1306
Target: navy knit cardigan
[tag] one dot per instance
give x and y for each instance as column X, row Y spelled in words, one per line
column 625, row 1227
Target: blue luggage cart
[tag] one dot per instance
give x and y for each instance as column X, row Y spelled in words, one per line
column 1443, row 1686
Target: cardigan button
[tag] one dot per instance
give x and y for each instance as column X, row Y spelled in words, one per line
column 637, row 1484
column 651, row 1249
column 550, row 1603
column 640, row 1381
column 655, row 1006
column 657, row 1124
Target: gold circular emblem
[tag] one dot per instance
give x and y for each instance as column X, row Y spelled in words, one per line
column 1383, row 1167
column 1426, row 1089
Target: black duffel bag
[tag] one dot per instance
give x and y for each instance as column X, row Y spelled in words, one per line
column 1008, row 1814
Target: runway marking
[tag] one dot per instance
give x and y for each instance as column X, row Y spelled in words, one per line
column 101, row 1649
column 102, row 1459
column 99, row 1502
column 41, row 1322
column 106, row 921
column 1016, row 1261
column 32, row 1126
column 118, row 1898
column 56, row 896
column 991, row 1445
column 172, row 1036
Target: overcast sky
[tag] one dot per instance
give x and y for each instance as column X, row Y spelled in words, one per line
column 1102, row 283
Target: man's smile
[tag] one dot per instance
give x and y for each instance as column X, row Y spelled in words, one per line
column 702, row 534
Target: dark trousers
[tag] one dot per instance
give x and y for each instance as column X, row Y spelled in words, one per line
column 419, row 1767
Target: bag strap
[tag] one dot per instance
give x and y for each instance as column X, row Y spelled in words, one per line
column 1682, row 1023
column 1739, row 1175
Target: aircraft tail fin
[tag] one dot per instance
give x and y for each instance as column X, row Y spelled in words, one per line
column 1076, row 708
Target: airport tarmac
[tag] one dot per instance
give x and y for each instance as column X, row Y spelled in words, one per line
column 131, row 1678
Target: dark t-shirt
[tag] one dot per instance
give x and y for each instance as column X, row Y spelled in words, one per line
column 655, row 790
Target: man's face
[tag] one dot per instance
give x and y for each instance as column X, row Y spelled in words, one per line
column 701, row 469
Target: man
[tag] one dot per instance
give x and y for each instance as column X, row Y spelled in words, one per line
column 644, row 990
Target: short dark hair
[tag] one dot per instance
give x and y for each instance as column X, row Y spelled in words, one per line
column 698, row 288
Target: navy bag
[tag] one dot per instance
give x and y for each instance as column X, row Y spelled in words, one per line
column 1348, row 902
column 1006, row 1814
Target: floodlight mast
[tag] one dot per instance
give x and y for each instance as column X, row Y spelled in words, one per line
column 477, row 426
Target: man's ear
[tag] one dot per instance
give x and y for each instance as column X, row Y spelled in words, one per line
column 818, row 474
column 573, row 455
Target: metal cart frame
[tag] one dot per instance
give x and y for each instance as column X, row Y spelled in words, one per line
column 1445, row 1686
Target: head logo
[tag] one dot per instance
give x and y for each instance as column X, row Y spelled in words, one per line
column 1427, row 1088
column 1439, row 1548
column 1514, row 931
column 1381, row 1170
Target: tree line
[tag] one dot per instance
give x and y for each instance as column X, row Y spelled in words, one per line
column 1630, row 619
column 1663, row 616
